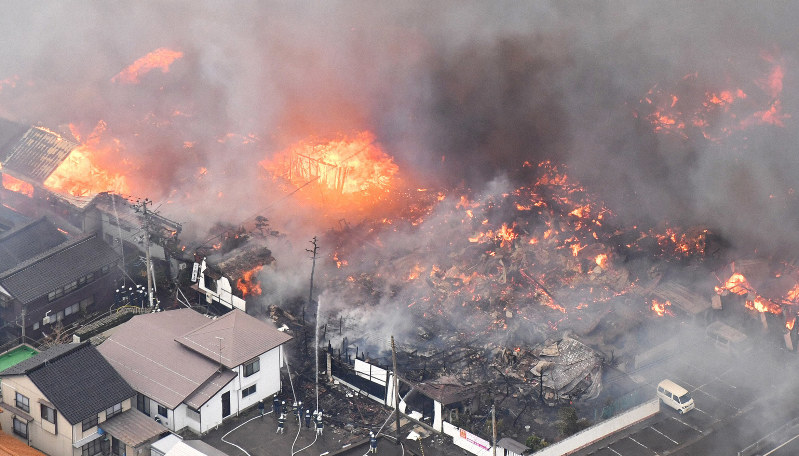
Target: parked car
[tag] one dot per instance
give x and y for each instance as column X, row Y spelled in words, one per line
column 675, row 396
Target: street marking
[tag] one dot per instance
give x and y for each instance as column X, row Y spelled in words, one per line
column 700, row 410
column 636, row 441
column 689, row 425
column 775, row 449
column 664, row 435
column 611, row 449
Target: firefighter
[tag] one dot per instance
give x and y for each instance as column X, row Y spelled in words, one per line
column 261, row 407
column 319, row 425
column 372, row 442
column 298, row 413
column 276, row 405
column 307, row 419
column 281, row 423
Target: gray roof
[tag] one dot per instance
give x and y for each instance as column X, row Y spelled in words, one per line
column 147, row 353
column 37, row 154
column 57, row 267
column 27, row 241
column 143, row 350
column 76, row 379
column 242, row 337
column 133, row 427
column 512, row 445
column 211, row 386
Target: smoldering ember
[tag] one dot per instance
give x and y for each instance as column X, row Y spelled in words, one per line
column 517, row 218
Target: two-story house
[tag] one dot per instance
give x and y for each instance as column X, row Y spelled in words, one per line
column 48, row 276
column 69, row 401
column 191, row 371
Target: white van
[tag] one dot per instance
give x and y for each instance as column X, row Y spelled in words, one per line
column 675, row 396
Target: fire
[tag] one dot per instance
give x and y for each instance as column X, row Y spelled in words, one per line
column 737, row 284
column 160, row 58
column 662, row 308
column 721, row 112
column 17, row 185
column 347, row 166
column 789, row 324
column 763, row 305
column 80, row 175
column 601, row 260
column 248, row 283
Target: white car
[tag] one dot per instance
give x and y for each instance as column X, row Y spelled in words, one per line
column 675, row 396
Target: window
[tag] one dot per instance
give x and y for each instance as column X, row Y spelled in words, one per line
column 48, row 413
column 20, row 427
column 92, row 448
column 143, row 404
column 162, row 411
column 247, row 391
column 105, row 269
column 89, row 423
column 71, row 309
column 113, row 410
column 60, row 315
column 71, row 287
column 252, row 367
column 23, row 403
column 36, row 326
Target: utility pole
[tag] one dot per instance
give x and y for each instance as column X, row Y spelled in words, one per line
column 24, row 309
column 146, row 220
column 313, row 252
column 396, row 387
column 493, row 430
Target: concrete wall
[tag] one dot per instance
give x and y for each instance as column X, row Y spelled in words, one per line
column 601, row 430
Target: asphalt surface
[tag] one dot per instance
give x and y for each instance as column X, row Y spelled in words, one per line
column 253, row 435
column 737, row 403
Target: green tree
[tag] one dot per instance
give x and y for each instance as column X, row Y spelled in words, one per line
column 535, row 443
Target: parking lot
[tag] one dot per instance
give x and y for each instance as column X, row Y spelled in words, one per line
column 716, row 381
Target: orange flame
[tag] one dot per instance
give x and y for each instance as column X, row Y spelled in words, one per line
column 789, row 324
column 737, row 284
column 17, row 185
column 763, row 305
column 662, row 308
column 79, row 174
column 160, row 58
column 248, row 283
column 601, row 260
column 346, row 166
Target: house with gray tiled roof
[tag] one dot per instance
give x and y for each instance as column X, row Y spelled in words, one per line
column 48, row 276
column 191, row 371
column 69, row 401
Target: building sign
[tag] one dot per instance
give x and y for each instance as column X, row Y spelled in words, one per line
column 474, row 440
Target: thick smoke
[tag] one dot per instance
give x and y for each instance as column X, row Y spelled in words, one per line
column 461, row 94
column 458, row 93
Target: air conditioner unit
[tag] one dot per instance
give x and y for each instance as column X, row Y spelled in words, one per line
column 46, row 320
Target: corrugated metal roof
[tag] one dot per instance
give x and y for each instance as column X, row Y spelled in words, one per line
column 144, row 352
column 212, row 386
column 133, row 427
column 242, row 337
column 37, row 154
